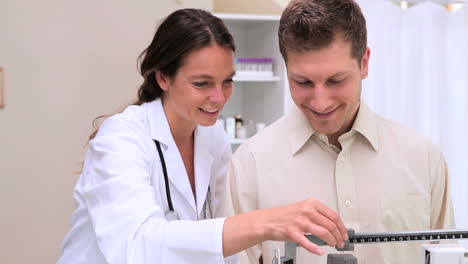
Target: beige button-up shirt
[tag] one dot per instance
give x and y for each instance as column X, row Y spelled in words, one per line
column 386, row 178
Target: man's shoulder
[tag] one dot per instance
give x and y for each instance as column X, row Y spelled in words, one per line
column 273, row 136
column 390, row 126
column 403, row 136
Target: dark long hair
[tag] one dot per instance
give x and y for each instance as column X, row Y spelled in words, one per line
column 180, row 33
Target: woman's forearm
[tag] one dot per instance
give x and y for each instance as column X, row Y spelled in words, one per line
column 244, row 231
column 287, row 223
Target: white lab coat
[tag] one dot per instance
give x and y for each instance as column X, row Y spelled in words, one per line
column 121, row 197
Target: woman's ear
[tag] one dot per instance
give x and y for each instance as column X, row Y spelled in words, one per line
column 162, row 80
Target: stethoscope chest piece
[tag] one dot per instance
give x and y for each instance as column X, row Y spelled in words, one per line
column 171, row 216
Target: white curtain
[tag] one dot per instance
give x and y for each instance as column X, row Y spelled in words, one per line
column 418, row 76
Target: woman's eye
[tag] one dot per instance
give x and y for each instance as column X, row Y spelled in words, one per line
column 229, row 81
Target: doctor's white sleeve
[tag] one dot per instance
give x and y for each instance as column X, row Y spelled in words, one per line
column 129, row 225
column 220, row 184
column 241, row 196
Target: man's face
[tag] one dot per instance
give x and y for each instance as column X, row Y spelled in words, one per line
column 326, row 85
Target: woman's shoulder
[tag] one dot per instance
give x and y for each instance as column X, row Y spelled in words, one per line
column 133, row 120
column 127, row 131
column 122, row 144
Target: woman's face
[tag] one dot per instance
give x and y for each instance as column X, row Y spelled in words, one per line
column 201, row 86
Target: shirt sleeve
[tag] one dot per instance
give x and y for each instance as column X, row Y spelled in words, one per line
column 128, row 222
column 442, row 215
column 241, row 195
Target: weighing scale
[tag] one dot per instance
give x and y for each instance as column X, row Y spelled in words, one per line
column 433, row 254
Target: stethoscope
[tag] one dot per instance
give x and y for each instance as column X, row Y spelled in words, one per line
column 171, row 215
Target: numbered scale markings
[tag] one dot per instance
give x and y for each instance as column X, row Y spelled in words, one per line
column 432, row 235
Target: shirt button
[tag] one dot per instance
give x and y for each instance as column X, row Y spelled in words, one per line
column 347, row 202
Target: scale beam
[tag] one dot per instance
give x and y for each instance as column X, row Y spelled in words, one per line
column 367, row 238
column 370, row 238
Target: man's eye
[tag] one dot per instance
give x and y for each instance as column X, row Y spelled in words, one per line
column 334, row 82
column 303, row 82
column 200, row 84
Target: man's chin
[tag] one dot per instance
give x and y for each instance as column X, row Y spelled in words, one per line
column 324, row 130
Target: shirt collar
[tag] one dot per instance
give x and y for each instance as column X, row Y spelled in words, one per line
column 301, row 130
column 366, row 125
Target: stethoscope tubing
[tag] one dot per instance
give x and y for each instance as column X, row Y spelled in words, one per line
column 166, row 180
column 171, row 214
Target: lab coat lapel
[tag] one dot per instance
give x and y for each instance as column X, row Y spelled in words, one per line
column 203, row 161
column 178, row 175
column 175, row 166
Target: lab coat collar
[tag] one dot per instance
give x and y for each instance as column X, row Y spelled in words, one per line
column 159, row 127
column 203, row 159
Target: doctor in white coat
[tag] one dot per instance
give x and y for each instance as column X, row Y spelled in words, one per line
column 154, row 175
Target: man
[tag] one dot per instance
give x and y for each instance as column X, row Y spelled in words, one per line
column 379, row 176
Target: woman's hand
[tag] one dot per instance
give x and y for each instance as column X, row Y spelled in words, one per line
column 287, row 223
column 293, row 222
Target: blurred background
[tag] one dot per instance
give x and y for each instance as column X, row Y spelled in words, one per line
column 66, row 62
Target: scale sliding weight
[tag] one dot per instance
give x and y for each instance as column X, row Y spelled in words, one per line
column 370, row 238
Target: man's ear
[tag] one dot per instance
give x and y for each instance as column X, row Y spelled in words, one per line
column 365, row 64
column 162, row 80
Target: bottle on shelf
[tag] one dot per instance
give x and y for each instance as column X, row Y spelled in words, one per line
column 259, row 127
column 240, row 129
column 231, row 127
column 254, row 66
column 250, row 128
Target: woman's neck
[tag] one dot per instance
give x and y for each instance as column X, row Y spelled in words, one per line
column 182, row 130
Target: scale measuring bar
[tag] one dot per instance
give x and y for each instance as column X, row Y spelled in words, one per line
column 367, row 238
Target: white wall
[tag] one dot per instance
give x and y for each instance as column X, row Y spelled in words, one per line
column 273, row 7
column 65, row 63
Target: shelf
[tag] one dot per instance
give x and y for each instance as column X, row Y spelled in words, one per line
column 256, row 36
column 256, row 78
column 237, row 141
column 246, row 17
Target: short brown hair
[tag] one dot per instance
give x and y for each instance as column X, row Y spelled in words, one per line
column 307, row 25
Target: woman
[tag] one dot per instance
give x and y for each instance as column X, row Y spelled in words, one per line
column 156, row 169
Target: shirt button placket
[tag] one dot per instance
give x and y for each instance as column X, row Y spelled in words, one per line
column 345, row 188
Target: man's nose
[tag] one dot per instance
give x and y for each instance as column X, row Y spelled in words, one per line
column 321, row 101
